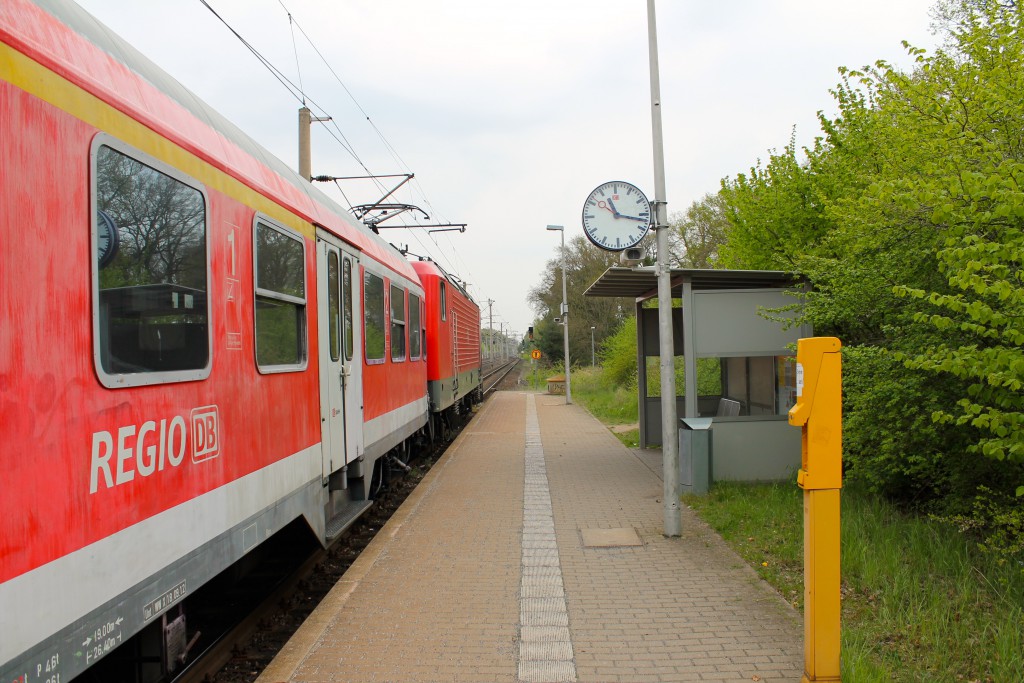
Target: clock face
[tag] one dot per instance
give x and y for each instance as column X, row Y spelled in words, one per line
column 107, row 238
column 616, row 216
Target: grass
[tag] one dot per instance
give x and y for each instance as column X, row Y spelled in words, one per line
column 920, row 602
column 615, row 406
column 765, row 526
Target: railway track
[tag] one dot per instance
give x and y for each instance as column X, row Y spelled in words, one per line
column 493, row 375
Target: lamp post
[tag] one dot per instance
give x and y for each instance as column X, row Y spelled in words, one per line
column 565, row 315
column 593, row 362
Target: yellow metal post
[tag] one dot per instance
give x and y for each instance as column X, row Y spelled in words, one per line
column 818, row 412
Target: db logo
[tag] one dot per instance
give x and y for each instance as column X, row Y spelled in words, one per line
column 205, row 433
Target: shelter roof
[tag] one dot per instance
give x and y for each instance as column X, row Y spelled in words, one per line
column 642, row 283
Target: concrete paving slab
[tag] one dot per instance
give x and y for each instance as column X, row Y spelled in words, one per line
column 484, row 574
column 609, row 538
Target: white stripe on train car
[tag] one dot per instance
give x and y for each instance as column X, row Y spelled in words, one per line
column 100, row 571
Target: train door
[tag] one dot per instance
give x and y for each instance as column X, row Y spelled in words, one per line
column 341, row 390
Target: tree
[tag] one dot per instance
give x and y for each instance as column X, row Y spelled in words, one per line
column 907, row 217
column 585, row 263
column 697, row 233
column 971, row 101
column 774, row 214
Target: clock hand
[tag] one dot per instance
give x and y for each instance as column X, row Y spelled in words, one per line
column 633, row 218
column 602, row 205
column 614, row 210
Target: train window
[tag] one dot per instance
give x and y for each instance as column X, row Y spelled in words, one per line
column 397, row 323
column 280, row 314
column 334, row 304
column 423, row 329
column 347, row 307
column 444, row 301
column 150, row 274
column 414, row 327
column 373, row 309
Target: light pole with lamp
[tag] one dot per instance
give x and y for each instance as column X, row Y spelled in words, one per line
column 565, row 315
column 593, row 363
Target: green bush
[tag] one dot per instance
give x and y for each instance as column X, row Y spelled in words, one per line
column 889, row 440
column 618, row 355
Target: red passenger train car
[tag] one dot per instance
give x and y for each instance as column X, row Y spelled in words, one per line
column 198, row 348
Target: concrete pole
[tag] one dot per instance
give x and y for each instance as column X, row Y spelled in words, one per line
column 669, row 426
column 306, row 119
column 490, row 329
column 305, row 161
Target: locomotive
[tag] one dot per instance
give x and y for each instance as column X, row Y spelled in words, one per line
column 198, row 349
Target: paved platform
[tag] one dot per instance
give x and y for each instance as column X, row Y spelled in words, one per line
column 533, row 551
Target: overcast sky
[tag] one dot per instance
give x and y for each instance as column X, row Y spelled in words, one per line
column 510, row 113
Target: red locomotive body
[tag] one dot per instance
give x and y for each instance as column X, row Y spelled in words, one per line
column 453, row 340
column 198, row 347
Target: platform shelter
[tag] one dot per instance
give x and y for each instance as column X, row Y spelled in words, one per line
column 732, row 337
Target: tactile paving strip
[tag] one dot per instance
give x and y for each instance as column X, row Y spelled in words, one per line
column 545, row 646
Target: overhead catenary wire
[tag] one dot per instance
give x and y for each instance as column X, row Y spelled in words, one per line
column 459, row 265
column 295, row 50
column 389, row 147
column 454, row 262
column 294, row 90
column 380, row 134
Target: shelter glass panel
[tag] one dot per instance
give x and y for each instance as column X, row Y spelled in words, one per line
column 709, row 378
column 749, row 386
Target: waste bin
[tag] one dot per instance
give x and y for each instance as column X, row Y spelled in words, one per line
column 695, row 454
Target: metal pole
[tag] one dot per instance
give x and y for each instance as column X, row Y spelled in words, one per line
column 669, row 426
column 565, row 316
column 593, row 362
column 565, row 327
